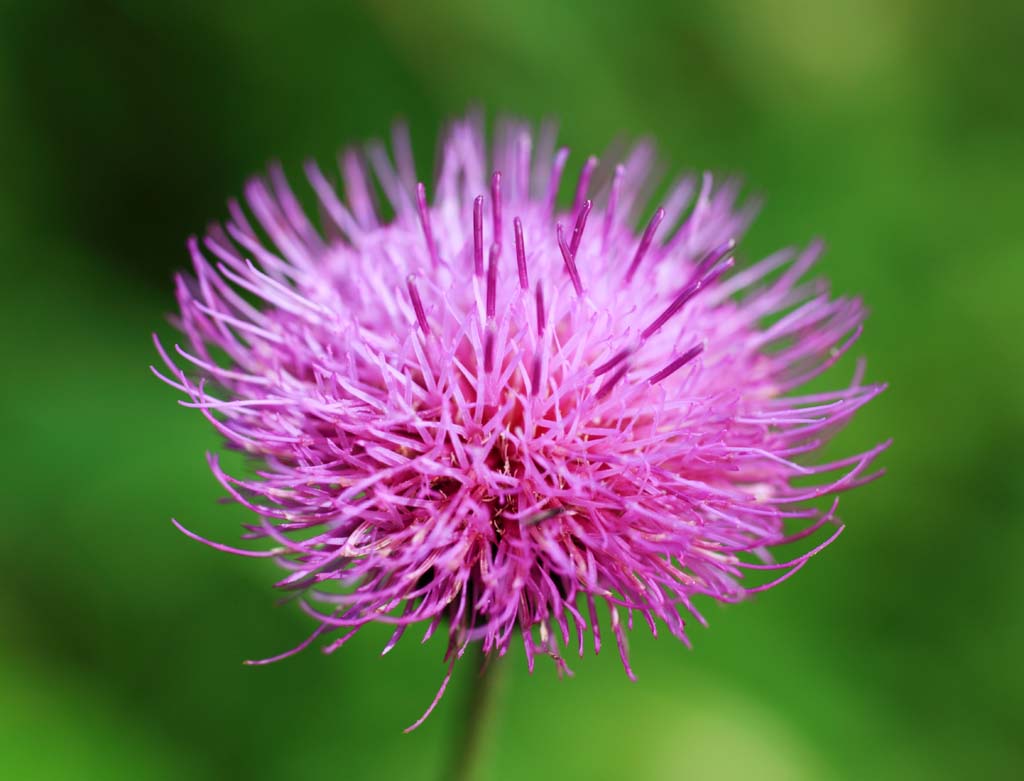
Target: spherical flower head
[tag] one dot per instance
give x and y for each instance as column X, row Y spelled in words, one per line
column 493, row 415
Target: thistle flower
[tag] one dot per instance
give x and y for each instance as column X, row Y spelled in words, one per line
column 493, row 416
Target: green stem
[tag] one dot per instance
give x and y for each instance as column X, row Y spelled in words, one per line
column 477, row 715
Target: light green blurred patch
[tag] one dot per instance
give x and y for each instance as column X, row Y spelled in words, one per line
column 687, row 725
column 56, row 725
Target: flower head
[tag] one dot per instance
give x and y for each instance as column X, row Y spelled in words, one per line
column 492, row 414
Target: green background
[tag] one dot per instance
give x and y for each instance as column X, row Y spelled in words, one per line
column 894, row 129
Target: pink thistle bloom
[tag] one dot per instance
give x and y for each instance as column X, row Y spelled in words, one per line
column 491, row 415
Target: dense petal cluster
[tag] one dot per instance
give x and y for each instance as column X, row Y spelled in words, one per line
column 507, row 418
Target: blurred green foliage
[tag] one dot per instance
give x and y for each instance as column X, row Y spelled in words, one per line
column 893, row 129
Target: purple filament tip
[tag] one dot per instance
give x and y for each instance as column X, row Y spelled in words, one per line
column 524, row 280
column 676, row 365
column 685, row 295
column 621, row 355
column 581, row 223
column 712, row 257
column 645, row 242
column 570, row 261
column 417, row 304
column 610, row 383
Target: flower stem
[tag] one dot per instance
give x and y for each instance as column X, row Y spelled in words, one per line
column 477, row 715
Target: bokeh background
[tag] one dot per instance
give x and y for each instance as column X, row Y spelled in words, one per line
column 894, row 129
